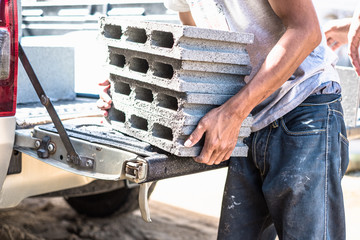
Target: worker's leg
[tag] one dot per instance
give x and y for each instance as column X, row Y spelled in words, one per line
column 244, row 213
column 305, row 158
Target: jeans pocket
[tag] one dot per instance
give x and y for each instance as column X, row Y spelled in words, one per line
column 305, row 120
column 344, row 154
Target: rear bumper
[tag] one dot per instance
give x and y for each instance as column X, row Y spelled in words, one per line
column 37, row 178
column 7, row 137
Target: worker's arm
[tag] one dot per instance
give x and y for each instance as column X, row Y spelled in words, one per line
column 221, row 125
column 186, row 18
column 354, row 40
column 346, row 30
column 336, row 32
column 104, row 102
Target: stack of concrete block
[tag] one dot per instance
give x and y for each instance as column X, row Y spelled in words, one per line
column 165, row 78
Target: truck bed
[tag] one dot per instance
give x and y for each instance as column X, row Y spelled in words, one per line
column 31, row 114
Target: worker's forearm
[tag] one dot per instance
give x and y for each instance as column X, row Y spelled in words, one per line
column 291, row 50
column 186, row 18
column 354, row 40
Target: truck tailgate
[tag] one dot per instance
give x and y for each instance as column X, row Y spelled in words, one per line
column 114, row 156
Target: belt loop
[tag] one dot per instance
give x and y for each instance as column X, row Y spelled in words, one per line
column 275, row 124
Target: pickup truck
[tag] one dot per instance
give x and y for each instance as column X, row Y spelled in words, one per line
column 98, row 170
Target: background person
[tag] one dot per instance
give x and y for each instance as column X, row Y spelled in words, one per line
column 346, row 31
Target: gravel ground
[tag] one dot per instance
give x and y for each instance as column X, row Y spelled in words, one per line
column 52, row 218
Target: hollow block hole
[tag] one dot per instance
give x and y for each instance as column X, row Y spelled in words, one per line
column 144, row 94
column 139, row 65
column 118, row 115
column 111, row 31
column 162, row 132
column 163, row 70
column 122, row 88
column 137, row 35
column 167, row 101
column 162, row 39
column 117, row 60
column 139, row 123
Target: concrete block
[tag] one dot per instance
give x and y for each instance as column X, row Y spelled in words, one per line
column 165, row 78
column 178, row 75
column 350, row 94
column 166, row 138
column 80, row 68
column 54, row 67
column 177, row 41
column 168, row 104
column 164, row 118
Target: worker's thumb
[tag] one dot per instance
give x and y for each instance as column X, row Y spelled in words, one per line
column 195, row 136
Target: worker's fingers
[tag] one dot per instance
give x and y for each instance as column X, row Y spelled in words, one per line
column 214, row 150
column 105, row 113
column 206, row 153
column 228, row 154
column 105, row 96
column 220, row 158
column 197, row 134
column 104, row 83
column 103, row 105
column 221, row 149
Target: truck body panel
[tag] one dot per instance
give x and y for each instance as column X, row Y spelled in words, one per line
column 37, row 177
column 7, row 137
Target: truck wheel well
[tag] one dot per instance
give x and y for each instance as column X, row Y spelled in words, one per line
column 119, row 201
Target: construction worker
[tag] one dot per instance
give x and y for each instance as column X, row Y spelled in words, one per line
column 298, row 151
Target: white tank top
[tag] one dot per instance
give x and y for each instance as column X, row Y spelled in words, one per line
column 316, row 75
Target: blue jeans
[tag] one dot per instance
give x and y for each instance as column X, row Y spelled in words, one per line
column 291, row 177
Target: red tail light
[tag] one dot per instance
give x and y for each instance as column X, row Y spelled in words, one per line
column 8, row 57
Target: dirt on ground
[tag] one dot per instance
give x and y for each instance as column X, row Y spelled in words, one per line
column 52, row 218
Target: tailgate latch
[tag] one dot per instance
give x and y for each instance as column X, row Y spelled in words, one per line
column 136, row 171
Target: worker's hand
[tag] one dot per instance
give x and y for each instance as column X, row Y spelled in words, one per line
column 221, row 128
column 354, row 39
column 336, row 32
column 104, row 102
